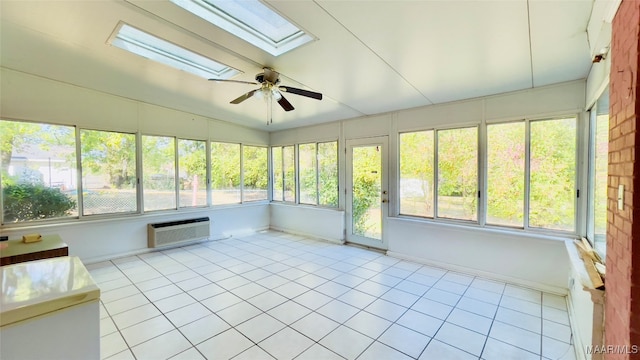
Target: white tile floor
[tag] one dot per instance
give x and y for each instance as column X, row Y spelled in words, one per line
column 276, row 295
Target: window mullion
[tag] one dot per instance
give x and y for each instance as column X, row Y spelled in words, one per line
column 527, row 173
column 242, row 173
column 317, row 175
column 482, row 175
column 79, row 184
column 436, row 170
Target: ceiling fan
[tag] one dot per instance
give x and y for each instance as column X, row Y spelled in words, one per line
column 270, row 88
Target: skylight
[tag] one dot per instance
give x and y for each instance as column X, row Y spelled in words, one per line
column 251, row 21
column 141, row 43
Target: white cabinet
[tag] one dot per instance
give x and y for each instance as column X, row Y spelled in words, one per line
column 49, row 310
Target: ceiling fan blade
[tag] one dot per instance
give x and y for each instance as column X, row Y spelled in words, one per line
column 244, row 97
column 307, row 93
column 286, row 105
column 271, row 75
column 235, row 81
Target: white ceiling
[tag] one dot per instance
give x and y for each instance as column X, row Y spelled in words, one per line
column 370, row 57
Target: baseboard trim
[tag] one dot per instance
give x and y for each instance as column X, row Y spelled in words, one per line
column 485, row 274
column 215, row 237
column 578, row 345
column 311, row 236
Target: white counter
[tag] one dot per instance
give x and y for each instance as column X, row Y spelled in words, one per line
column 49, row 310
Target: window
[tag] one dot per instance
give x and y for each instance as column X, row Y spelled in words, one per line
column 307, row 166
column 192, row 168
column 289, row 171
column 599, row 162
column 255, row 173
column 276, row 169
column 225, row 173
column 108, row 172
column 598, row 173
column 318, row 173
column 526, row 186
column 458, row 173
column 416, row 173
column 328, row 173
column 250, row 20
column 284, row 173
column 159, row 172
column 552, row 176
column 146, row 45
column 38, row 171
column 505, row 174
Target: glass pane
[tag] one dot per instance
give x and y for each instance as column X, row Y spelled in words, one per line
column 225, row 173
column 39, row 178
column 367, row 184
column 601, row 164
column 159, row 172
column 308, row 179
column 276, row 158
column 458, row 173
column 289, row 166
column 141, row 43
column 328, row 173
column 258, row 17
column 255, row 173
column 192, row 167
column 505, row 174
column 416, row 173
column 108, row 172
column 553, row 172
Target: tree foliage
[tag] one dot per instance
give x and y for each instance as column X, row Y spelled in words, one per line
column 367, row 184
column 225, row 165
column 110, row 153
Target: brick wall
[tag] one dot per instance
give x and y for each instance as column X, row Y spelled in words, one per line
column 622, row 311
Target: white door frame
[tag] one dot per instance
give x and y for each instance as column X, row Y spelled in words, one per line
column 383, row 143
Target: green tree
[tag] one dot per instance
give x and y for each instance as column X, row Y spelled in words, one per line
column 328, row 173
column 416, row 163
column 255, row 167
column 110, row 153
column 225, row 165
column 553, row 166
column 366, row 187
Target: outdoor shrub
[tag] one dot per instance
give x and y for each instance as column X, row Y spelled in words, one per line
column 24, row 202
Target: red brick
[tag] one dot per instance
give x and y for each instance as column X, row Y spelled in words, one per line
column 622, row 311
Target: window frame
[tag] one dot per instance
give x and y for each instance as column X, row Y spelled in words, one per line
column 598, row 241
column 317, row 174
column 482, row 163
column 139, row 175
column 210, row 172
column 283, row 198
column 242, row 173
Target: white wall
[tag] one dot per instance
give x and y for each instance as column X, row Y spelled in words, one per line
column 28, row 97
column 38, row 99
column 317, row 222
column 97, row 240
column 515, row 256
column 532, row 261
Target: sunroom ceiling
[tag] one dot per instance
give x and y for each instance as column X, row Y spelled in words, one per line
column 369, row 57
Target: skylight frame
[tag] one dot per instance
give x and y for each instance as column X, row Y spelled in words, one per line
column 207, row 10
column 147, row 45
